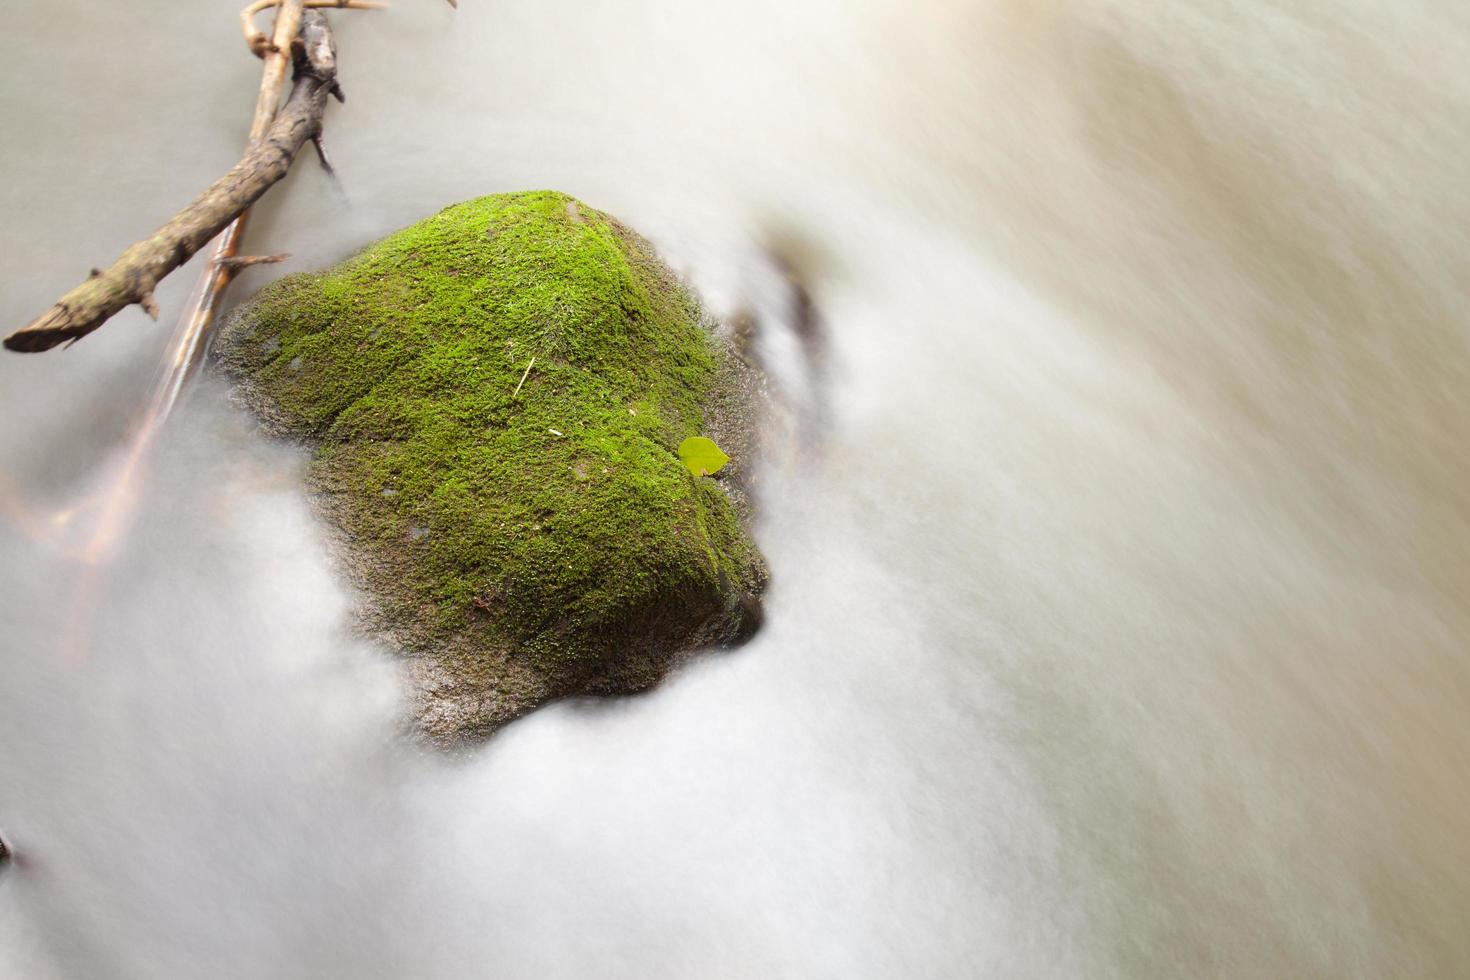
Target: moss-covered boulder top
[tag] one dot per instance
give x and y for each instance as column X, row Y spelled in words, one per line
column 524, row 530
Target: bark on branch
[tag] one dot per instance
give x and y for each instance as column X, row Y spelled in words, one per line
column 260, row 45
column 132, row 278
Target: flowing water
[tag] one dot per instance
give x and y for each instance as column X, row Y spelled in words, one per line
column 1122, row 580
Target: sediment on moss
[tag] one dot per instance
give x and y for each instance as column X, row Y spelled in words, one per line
column 496, row 395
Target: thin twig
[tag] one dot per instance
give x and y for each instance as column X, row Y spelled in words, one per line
column 322, row 158
column 234, row 263
column 260, row 45
column 524, row 374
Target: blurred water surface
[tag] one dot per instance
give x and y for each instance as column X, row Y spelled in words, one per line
column 1119, row 628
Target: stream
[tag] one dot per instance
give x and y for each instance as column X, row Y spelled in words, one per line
column 1120, row 617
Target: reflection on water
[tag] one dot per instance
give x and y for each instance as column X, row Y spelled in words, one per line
column 1119, row 628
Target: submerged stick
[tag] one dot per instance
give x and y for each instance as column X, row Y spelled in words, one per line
column 132, row 278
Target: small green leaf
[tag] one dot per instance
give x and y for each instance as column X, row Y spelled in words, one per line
column 702, row 456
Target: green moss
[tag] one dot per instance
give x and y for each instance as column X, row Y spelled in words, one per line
column 557, row 518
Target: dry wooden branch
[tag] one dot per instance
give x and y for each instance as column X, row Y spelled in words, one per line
column 273, row 76
column 260, row 45
column 193, row 331
column 132, row 278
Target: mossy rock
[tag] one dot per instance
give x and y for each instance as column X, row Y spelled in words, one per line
column 523, row 536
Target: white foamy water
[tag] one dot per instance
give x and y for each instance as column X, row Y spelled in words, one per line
column 1119, row 626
